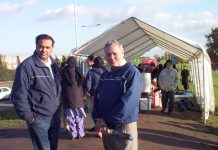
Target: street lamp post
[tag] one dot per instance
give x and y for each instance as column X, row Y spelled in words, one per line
column 90, row 26
column 75, row 28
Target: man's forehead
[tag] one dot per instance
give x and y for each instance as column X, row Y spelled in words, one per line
column 114, row 47
column 45, row 41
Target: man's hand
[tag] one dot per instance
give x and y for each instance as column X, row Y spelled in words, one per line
column 105, row 131
column 101, row 126
column 30, row 121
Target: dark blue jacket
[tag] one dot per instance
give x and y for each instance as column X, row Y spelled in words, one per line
column 34, row 91
column 92, row 79
column 117, row 96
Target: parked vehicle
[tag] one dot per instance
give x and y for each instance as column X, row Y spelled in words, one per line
column 5, row 93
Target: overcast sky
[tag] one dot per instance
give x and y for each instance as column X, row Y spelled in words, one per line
column 22, row 20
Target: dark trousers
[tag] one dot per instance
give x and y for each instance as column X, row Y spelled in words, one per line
column 168, row 98
column 44, row 132
column 185, row 84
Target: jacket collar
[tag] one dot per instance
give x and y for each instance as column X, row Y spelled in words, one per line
column 123, row 63
column 38, row 61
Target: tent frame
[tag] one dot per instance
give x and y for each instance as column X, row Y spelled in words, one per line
column 137, row 37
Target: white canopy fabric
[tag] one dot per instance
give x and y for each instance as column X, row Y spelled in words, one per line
column 137, row 37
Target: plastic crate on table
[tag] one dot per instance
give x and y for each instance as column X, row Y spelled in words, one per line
column 145, row 103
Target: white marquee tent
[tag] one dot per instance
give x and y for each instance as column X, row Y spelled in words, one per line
column 137, row 37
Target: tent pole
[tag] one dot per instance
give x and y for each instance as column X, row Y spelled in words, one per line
column 192, row 75
column 197, row 78
column 199, row 85
column 204, row 90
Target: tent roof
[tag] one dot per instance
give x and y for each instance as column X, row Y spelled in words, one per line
column 137, row 37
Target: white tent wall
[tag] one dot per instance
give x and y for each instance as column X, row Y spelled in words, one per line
column 137, row 37
column 207, row 90
column 195, row 78
column 203, row 81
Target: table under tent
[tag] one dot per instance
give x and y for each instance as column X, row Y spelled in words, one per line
column 137, row 37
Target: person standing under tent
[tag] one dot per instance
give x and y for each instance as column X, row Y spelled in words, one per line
column 185, row 74
column 168, row 81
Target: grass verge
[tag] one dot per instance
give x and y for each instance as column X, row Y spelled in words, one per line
column 213, row 119
column 9, row 119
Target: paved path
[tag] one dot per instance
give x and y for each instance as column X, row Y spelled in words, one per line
column 157, row 131
column 5, row 104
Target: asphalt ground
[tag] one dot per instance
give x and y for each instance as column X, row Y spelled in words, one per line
column 157, row 131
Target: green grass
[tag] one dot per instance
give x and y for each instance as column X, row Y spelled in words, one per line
column 213, row 119
column 6, row 84
column 9, row 119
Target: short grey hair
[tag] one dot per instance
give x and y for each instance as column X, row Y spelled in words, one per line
column 113, row 42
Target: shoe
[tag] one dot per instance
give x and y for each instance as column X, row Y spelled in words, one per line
column 71, row 137
column 163, row 110
column 66, row 131
column 79, row 137
column 92, row 129
column 170, row 112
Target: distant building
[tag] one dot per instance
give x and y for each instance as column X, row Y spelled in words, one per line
column 11, row 62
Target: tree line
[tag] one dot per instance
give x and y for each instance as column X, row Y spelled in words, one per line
column 212, row 47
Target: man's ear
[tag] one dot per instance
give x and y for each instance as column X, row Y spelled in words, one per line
column 123, row 52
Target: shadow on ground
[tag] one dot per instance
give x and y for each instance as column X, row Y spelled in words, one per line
column 13, row 133
column 175, row 139
column 157, row 131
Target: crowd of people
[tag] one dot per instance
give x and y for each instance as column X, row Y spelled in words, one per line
column 41, row 90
